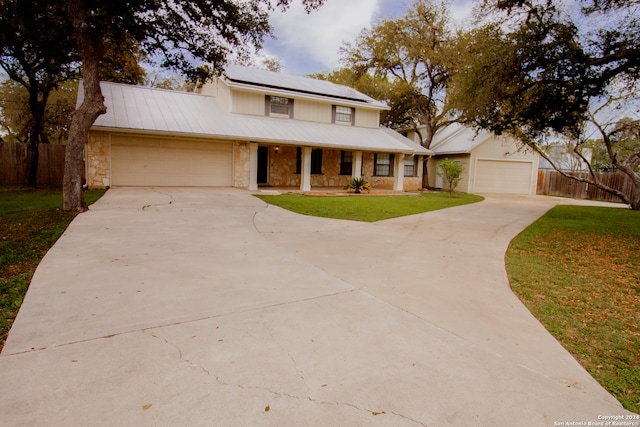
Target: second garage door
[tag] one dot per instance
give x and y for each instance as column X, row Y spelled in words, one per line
column 500, row 176
column 144, row 161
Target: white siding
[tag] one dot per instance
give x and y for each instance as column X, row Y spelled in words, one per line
column 248, row 103
column 312, row 111
column 367, row 118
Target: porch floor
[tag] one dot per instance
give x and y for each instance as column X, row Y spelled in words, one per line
column 332, row 191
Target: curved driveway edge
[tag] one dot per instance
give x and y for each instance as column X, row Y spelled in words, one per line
column 207, row 307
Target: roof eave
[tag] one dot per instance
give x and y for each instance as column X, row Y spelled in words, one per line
column 232, row 138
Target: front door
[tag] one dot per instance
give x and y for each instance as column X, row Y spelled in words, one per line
column 263, row 165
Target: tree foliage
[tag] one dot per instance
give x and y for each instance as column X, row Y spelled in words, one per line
column 16, row 115
column 35, row 52
column 451, row 173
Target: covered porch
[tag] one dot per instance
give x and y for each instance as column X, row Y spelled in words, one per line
column 328, row 169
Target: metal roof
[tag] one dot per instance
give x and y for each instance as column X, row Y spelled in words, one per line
column 457, row 139
column 143, row 109
column 288, row 82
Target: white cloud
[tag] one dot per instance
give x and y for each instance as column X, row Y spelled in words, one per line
column 316, row 38
column 307, row 43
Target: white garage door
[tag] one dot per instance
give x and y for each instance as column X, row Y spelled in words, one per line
column 170, row 162
column 500, row 176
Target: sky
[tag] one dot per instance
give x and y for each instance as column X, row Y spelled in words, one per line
column 310, row 43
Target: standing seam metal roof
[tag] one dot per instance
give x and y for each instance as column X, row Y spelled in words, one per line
column 142, row 109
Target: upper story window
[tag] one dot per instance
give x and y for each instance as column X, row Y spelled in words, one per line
column 278, row 106
column 344, row 115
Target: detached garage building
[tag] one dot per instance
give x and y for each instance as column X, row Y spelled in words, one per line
column 491, row 163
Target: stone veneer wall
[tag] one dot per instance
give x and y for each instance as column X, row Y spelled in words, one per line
column 241, row 168
column 98, row 152
column 411, row 183
column 330, row 171
column 282, row 169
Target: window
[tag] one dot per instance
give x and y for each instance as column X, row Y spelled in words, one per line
column 316, row 161
column 278, row 105
column 346, row 162
column 343, row 115
column 411, row 166
column 383, row 164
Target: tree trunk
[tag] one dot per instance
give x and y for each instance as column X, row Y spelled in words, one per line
column 83, row 118
column 635, row 199
column 31, row 164
column 425, row 141
column 36, row 130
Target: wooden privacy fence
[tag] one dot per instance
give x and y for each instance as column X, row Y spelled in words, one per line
column 552, row 183
column 13, row 157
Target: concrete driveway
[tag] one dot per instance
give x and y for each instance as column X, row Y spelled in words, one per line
column 206, row 307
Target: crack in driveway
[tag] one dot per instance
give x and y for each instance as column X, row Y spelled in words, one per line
column 190, row 364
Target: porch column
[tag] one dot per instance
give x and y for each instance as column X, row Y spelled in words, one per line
column 356, row 168
column 398, row 184
column 305, row 173
column 253, row 166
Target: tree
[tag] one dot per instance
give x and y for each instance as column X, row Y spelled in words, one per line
column 451, row 173
column 35, row 52
column 182, row 34
column 414, row 52
column 16, row 115
column 534, row 72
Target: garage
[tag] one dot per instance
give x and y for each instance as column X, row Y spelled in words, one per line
column 503, row 176
column 146, row 161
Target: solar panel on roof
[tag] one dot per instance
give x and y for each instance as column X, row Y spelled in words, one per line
column 271, row 79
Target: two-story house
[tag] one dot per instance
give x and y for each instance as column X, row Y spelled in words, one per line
column 246, row 129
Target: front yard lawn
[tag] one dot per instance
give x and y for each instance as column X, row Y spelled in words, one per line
column 30, row 223
column 577, row 269
column 368, row 208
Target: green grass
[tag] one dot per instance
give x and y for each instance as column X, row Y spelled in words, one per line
column 368, row 208
column 577, row 269
column 30, row 223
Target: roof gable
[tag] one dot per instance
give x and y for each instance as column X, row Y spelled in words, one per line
column 458, row 139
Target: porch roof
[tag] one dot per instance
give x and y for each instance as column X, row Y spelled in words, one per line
column 156, row 111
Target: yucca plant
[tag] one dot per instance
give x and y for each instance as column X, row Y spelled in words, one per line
column 357, row 185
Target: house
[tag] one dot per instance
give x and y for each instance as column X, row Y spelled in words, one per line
column 564, row 158
column 248, row 128
column 491, row 163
